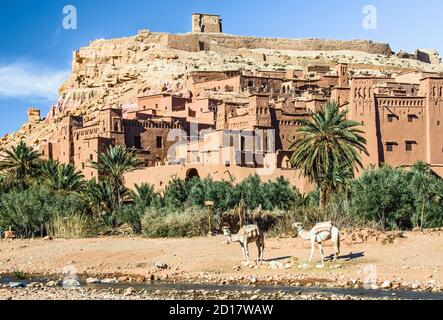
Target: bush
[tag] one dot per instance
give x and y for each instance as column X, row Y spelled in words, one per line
column 398, row 199
column 189, row 222
column 130, row 214
column 28, row 212
column 382, row 195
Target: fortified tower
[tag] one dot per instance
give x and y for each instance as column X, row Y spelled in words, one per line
column 206, row 23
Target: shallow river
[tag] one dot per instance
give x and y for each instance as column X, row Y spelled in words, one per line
column 164, row 286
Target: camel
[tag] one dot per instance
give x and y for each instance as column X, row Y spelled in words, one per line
column 9, row 235
column 247, row 234
column 320, row 233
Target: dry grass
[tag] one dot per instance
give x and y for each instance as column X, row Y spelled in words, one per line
column 71, row 227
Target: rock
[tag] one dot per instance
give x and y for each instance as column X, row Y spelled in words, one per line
column 34, row 285
column 109, row 280
column 92, row 280
column 16, row 285
column 47, row 238
column 386, row 284
column 161, row 265
column 129, row 291
column 122, row 279
column 52, row 283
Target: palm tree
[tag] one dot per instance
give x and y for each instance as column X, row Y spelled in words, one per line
column 143, row 195
column 99, row 197
column 61, row 177
column 20, row 162
column 112, row 166
column 328, row 143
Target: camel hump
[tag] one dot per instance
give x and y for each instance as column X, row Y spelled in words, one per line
column 323, row 226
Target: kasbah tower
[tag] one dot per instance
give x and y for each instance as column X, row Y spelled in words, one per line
column 238, row 122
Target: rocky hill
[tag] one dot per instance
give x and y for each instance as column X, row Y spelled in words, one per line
column 115, row 71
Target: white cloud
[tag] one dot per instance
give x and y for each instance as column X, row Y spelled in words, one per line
column 30, row 80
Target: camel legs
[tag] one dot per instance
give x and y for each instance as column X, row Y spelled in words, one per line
column 312, row 250
column 336, row 241
column 261, row 247
column 320, row 247
column 245, row 253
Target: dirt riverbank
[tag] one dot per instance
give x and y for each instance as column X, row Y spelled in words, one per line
column 414, row 261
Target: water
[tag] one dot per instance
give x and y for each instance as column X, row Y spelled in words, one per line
column 166, row 286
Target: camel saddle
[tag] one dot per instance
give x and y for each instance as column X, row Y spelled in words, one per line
column 252, row 231
column 322, row 227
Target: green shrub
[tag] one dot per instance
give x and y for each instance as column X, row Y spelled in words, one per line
column 399, row 199
column 382, row 195
column 28, row 212
column 130, row 214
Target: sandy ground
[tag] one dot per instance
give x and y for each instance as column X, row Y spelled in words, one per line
column 417, row 257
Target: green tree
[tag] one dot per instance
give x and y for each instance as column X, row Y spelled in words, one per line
column 279, row 194
column 20, row 162
column 382, row 195
column 113, row 165
column 60, row 177
column 327, row 141
column 425, row 190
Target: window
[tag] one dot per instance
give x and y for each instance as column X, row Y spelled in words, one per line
column 409, row 145
column 116, row 125
column 438, row 123
column 137, row 142
column 390, row 146
column 391, row 117
column 159, row 142
column 411, row 117
column 83, row 165
column 91, row 157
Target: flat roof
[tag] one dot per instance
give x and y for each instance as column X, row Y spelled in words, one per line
column 206, row 14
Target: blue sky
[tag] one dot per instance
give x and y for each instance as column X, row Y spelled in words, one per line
column 36, row 52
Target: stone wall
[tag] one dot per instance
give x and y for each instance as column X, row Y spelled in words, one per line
column 199, row 42
column 160, row 176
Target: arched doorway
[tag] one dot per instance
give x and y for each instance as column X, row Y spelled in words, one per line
column 192, row 173
column 286, row 163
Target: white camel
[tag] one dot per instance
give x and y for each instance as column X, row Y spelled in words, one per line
column 247, row 234
column 320, row 233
